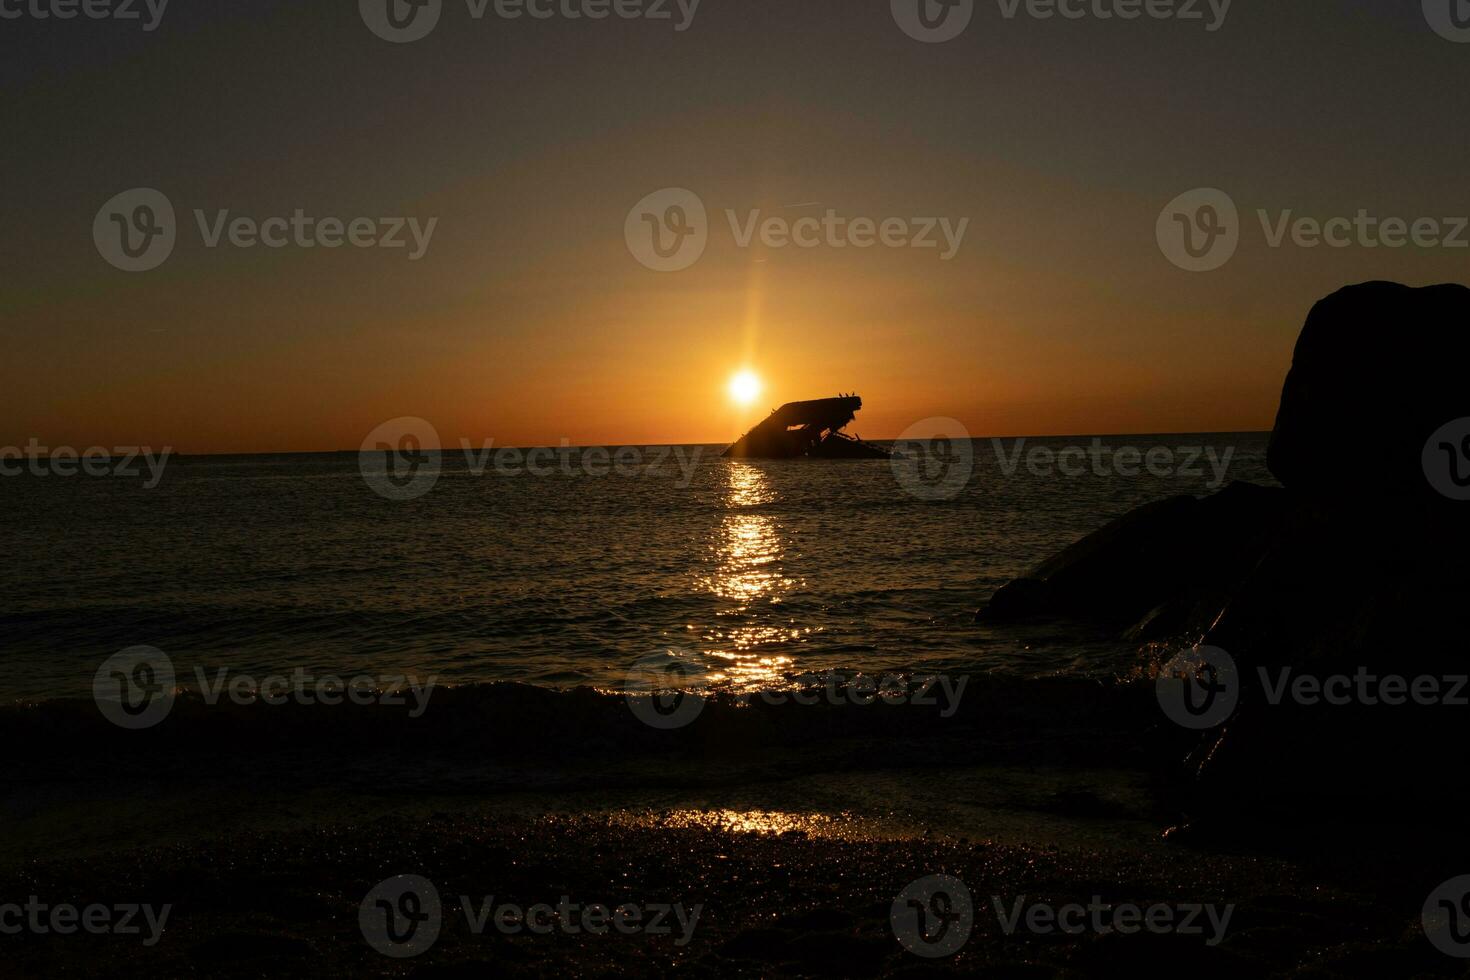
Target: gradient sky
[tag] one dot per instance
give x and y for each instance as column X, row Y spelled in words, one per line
column 529, row 322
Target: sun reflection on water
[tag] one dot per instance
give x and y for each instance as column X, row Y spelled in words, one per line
column 748, row 553
column 748, row 544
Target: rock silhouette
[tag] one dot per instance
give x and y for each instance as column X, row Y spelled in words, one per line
column 1142, row 574
column 1354, row 571
column 1378, row 368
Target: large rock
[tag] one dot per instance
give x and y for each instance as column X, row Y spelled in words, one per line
column 1354, row 573
column 1378, row 368
column 1157, row 568
column 1345, row 593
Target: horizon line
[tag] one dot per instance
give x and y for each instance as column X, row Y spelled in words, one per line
column 610, row 445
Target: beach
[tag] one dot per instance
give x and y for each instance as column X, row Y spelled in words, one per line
column 263, row 829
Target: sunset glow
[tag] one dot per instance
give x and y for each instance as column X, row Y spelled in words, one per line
column 745, row 387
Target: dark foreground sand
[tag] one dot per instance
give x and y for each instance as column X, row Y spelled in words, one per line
column 776, row 898
column 265, row 832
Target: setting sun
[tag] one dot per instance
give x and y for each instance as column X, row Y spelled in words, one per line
column 745, row 387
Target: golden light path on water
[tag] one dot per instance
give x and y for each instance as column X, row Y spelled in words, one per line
column 747, row 553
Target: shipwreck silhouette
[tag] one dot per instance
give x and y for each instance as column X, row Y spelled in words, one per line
column 810, row 428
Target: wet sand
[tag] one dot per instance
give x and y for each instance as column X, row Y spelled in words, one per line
column 264, row 831
column 777, row 895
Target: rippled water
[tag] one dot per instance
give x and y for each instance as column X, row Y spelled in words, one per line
column 267, row 563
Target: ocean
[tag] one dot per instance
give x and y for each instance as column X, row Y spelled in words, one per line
column 769, row 570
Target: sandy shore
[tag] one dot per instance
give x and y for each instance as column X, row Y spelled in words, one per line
column 264, row 832
column 795, row 892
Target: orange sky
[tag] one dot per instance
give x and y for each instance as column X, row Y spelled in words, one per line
column 528, row 321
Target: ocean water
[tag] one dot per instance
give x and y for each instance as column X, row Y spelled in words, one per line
column 265, row 564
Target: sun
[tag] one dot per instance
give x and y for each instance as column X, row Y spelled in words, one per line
column 745, row 387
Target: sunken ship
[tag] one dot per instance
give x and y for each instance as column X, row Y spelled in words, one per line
column 810, row 428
